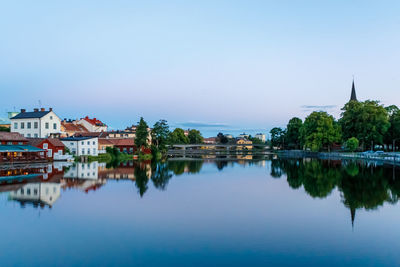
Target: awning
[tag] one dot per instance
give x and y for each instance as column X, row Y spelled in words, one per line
column 19, row 148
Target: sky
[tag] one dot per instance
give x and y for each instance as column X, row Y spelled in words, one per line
column 229, row 66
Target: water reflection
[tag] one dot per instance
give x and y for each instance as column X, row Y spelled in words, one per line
column 362, row 185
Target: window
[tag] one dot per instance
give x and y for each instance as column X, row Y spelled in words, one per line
column 55, row 126
column 22, row 191
column 71, row 144
column 83, row 151
column 82, row 143
column 35, row 191
column 88, row 151
column 20, row 143
column 9, row 143
column 94, row 142
column 51, row 117
column 15, row 125
column 28, row 191
column 35, row 125
column 22, row 125
column 46, row 125
column 28, row 125
column 36, row 135
column 88, row 142
column 94, row 151
column 29, row 135
column 45, row 146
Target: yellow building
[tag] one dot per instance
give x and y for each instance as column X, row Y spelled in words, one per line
column 247, row 144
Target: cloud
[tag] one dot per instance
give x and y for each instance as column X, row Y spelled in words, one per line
column 196, row 124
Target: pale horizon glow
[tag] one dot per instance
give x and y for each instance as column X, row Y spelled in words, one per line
column 228, row 66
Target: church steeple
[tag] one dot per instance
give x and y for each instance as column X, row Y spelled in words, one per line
column 353, row 92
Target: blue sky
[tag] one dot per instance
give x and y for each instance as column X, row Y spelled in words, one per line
column 217, row 65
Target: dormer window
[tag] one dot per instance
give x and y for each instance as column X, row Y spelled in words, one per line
column 51, row 117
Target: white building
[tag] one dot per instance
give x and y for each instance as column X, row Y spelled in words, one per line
column 46, row 193
column 82, row 146
column 261, row 137
column 244, row 136
column 93, row 125
column 83, row 171
column 39, row 123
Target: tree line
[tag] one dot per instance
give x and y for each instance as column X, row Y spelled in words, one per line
column 361, row 126
column 161, row 136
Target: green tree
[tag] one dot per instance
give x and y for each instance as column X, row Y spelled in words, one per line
column 319, row 131
column 160, row 134
column 4, row 129
column 195, row 137
column 393, row 132
column 277, row 137
column 367, row 121
column 142, row 134
column 221, row 138
column 293, row 132
column 352, row 144
column 178, row 136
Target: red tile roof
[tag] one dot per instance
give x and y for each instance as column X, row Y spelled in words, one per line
column 72, row 127
column 94, row 121
column 123, row 142
column 6, row 136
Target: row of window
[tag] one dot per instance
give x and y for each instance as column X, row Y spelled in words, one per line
column 35, row 125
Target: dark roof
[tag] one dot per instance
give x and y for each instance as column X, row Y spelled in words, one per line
column 35, row 141
column 76, row 138
column 31, row 115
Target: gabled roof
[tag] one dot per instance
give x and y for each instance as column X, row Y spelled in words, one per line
column 72, row 127
column 76, row 138
column 7, row 136
column 31, row 115
column 37, row 141
column 104, row 141
column 94, row 121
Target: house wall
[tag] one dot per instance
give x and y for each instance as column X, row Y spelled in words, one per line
column 83, row 147
column 48, row 124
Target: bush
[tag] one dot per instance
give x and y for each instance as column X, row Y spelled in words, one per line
column 352, row 144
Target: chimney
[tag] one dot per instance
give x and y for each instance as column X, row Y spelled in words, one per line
column 23, row 110
column 42, row 109
column 35, row 109
column 50, row 109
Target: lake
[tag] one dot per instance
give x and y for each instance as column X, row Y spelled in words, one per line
column 243, row 212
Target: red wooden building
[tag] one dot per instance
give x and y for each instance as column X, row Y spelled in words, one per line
column 14, row 148
column 53, row 147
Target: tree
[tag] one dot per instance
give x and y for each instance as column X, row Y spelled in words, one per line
column 277, row 137
column 178, row 137
column 319, row 131
column 367, row 121
column 195, row 137
column 393, row 132
column 352, row 144
column 256, row 141
column 221, row 138
column 142, row 135
column 293, row 132
column 160, row 134
column 4, row 129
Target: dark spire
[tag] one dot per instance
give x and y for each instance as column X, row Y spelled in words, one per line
column 353, row 216
column 353, row 92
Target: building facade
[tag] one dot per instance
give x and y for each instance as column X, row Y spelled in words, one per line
column 54, row 148
column 38, row 124
column 93, row 125
column 82, row 146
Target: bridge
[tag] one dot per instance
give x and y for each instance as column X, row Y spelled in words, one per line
column 202, row 149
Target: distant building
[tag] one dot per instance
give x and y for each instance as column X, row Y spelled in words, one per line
column 244, row 136
column 247, row 144
column 210, row 140
column 39, row 123
column 104, row 143
column 82, row 146
column 353, row 96
column 6, row 122
column 54, row 147
column 261, row 137
column 71, row 128
column 93, row 125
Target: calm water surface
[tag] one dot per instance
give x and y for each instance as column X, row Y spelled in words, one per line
column 201, row 213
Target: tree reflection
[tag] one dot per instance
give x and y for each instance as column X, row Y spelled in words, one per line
column 160, row 175
column 362, row 186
